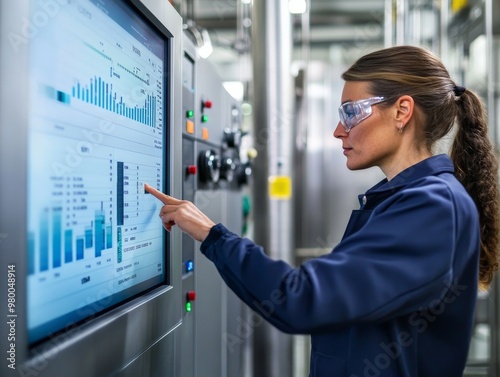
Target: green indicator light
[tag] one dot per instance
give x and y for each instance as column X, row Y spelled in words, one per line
column 190, row 113
column 204, row 119
column 188, row 307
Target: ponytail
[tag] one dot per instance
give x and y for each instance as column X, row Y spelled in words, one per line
column 476, row 167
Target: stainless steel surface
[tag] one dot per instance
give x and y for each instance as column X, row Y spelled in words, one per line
column 472, row 52
column 326, row 190
column 210, row 306
column 217, row 312
column 157, row 361
column 13, row 160
column 186, row 336
column 495, row 325
column 273, row 132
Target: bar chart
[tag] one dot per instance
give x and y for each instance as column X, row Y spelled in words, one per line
column 100, row 93
column 97, row 236
column 82, row 226
column 101, row 71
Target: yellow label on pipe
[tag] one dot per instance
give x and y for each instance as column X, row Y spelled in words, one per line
column 458, row 5
column 280, row 187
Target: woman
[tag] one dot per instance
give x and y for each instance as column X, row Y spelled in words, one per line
column 396, row 296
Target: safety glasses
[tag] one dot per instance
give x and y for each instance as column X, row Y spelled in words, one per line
column 353, row 113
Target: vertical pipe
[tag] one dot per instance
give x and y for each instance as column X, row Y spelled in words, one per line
column 443, row 31
column 494, row 323
column 492, row 21
column 388, row 23
column 259, row 97
column 271, row 50
column 492, row 7
column 400, row 22
column 490, row 99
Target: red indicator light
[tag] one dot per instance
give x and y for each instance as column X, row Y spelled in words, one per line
column 191, row 169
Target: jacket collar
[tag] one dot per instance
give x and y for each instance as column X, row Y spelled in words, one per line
column 434, row 165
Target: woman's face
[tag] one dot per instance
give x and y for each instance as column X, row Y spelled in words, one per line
column 372, row 142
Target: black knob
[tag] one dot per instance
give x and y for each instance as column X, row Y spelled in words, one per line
column 227, row 169
column 232, row 138
column 243, row 173
column 209, row 166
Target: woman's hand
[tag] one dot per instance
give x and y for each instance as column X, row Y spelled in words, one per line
column 182, row 213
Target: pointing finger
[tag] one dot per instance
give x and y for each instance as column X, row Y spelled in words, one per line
column 164, row 198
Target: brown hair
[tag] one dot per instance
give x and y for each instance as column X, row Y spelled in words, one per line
column 415, row 71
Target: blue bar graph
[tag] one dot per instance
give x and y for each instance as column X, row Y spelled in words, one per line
column 68, row 246
column 100, row 93
column 79, row 248
column 89, row 237
column 99, row 233
column 109, row 237
column 44, row 240
column 31, row 253
column 119, row 254
column 56, row 236
column 92, row 92
column 56, row 245
column 119, row 193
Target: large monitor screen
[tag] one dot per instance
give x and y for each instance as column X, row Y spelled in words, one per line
column 97, row 133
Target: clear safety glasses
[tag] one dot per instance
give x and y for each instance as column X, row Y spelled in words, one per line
column 353, row 113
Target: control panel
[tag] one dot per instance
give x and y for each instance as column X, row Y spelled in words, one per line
column 214, row 177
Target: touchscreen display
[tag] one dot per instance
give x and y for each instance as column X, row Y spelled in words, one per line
column 96, row 135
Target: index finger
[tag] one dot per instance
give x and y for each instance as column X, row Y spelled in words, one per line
column 164, row 198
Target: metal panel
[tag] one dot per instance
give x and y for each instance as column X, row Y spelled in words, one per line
column 217, row 311
column 157, row 361
column 210, row 303
column 186, row 334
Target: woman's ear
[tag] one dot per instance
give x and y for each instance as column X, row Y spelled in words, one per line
column 404, row 107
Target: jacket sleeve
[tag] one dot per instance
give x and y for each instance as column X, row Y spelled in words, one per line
column 397, row 263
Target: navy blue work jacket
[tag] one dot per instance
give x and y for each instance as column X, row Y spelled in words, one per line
column 395, row 297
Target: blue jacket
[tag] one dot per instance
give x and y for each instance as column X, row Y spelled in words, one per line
column 395, row 297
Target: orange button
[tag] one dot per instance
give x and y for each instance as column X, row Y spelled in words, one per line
column 189, row 127
column 204, row 133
